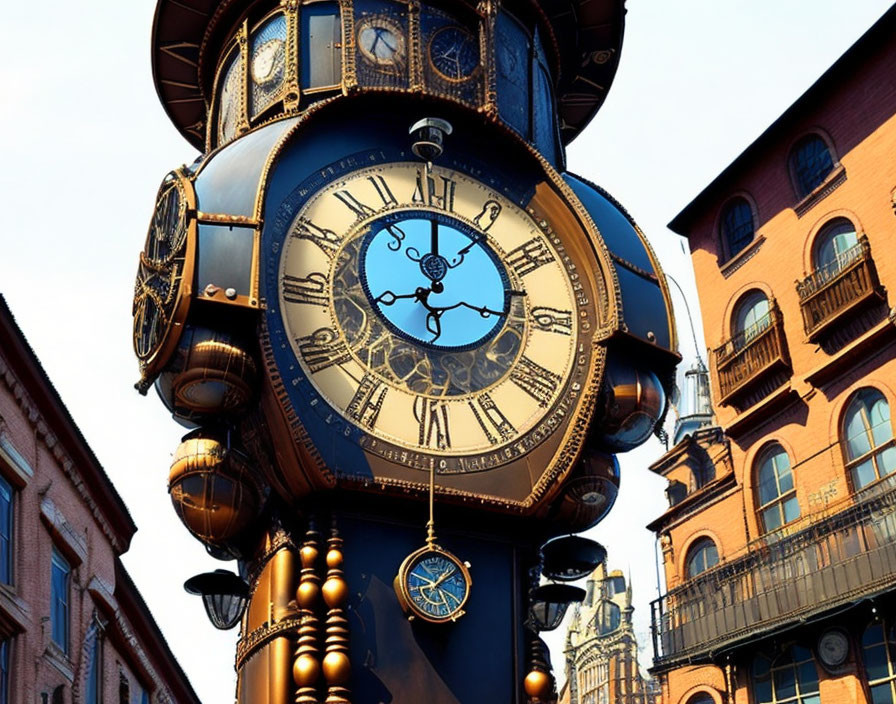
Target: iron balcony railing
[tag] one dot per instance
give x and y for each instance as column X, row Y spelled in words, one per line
column 784, row 576
column 837, row 287
column 750, row 353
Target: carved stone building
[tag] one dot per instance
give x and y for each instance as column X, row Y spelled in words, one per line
column 73, row 627
column 601, row 649
column 779, row 544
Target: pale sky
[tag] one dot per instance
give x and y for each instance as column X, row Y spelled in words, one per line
column 84, row 144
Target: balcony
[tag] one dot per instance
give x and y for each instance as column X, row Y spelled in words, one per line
column 834, row 290
column 749, row 357
column 784, row 577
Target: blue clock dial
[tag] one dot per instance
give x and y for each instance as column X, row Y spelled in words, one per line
column 435, row 280
column 453, row 53
column 437, row 586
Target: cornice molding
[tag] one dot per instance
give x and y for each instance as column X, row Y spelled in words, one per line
column 52, row 443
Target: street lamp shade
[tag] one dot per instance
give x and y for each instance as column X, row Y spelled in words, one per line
column 224, row 596
column 549, row 604
column 571, row 557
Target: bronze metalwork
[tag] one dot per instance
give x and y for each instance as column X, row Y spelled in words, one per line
column 212, row 488
column 307, row 667
column 165, row 277
column 336, row 663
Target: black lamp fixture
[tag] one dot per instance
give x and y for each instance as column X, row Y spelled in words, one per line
column 224, row 596
column 549, row 603
column 571, row 557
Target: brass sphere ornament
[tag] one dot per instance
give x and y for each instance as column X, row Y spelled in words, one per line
column 211, row 372
column 212, row 488
column 305, row 671
column 538, row 684
column 307, row 593
column 337, row 668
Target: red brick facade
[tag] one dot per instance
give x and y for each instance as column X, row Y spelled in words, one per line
column 63, row 504
column 807, row 569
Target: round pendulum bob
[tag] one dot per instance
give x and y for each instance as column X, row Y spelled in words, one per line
column 212, row 488
column 212, row 372
column 632, row 401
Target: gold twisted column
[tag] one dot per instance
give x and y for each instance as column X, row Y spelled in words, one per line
column 306, row 669
column 337, row 667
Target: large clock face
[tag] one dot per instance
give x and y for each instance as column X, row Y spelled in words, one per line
column 159, row 297
column 432, row 313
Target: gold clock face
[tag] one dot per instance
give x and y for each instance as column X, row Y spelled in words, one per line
column 161, row 291
column 433, row 313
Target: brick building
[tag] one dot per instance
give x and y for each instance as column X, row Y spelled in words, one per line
column 73, row 627
column 779, row 544
column 601, row 649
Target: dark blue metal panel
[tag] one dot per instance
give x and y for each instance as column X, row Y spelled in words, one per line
column 513, row 53
column 646, row 312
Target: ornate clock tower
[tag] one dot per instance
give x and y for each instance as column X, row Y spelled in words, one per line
column 406, row 342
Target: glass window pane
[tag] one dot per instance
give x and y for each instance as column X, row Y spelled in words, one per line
column 881, row 429
column 882, row 694
column 4, row 672
column 791, row 509
column 785, row 683
column 811, row 162
column 886, row 461
column 873, row 634
column 771, row 518
column 863, row 474
column 6, row 527
column 762, row 691
column 59, row 598
column 737, row 226
column 875, row 658
column 834, row 244
column 808, row 677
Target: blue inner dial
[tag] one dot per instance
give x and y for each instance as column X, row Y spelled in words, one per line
column 437, row 586
column 434, row 280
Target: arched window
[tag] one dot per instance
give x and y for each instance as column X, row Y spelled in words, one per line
column 702, row 555
column 751, row 317
column 791, row 678
column 701, row 698
column 867, row 438
column 835, row 247
column 811, row 162
column 776, row 496
column 737, row 226
column 878, row 648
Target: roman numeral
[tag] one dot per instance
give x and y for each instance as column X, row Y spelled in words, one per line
column 367, row 402
column 535, row 380
column 552, row 320
column 493, row 423
column 382, row 190
column 313, row 289
column 322, row 349
column 487, row 216
column 436, row 194
column 529, row 256
column 361, row 210
column 326, row 239
column 432, row 419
